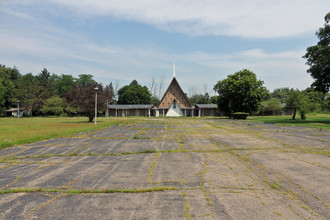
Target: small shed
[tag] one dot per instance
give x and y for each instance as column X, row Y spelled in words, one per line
column 206, row 110
column 130, row 110
column 13, row 112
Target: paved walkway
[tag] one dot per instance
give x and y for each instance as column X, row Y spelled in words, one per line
column 171, row 169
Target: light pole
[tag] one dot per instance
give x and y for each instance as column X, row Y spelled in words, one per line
column 96, row 88
column 18, row 109
column 107, row 109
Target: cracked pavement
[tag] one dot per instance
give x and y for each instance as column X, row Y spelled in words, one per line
column 171, row 169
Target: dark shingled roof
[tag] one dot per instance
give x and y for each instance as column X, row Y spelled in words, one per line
column 130, row 106
column 206, row 105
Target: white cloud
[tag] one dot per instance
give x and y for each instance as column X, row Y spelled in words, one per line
column 251, row 19
column 63, row 51
column 107, row 62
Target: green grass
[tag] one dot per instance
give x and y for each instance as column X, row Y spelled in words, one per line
column 15, row 131
column 314, row 121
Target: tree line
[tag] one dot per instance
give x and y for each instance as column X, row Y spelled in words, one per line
column 52, row 94
column 243, row 92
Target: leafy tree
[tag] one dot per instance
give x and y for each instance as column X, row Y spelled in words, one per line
column 326, row 103
column 28, row 92
column 281, row 94
column 240, row 92
column 196, row 99
column 134, row 94
column 44, row 88
column 299, row 100
column 85, row 79
column 327, row 18
column 63, row 83
column 155, row 100
column 53, row 106
column 317, row 100
column 214, row 99
column 200, row 99
column 2, row 97
column 82, row 98
column 8, row 88
column 271, row 106
column 318, row 58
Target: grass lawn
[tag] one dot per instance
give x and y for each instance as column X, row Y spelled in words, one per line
column 15, row 131
column 316, row 121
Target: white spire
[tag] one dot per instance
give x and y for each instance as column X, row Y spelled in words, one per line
column 174, row 70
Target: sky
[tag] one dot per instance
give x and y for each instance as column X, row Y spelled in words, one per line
column 119, row 41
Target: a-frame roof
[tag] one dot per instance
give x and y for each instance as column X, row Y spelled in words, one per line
column 174, row 93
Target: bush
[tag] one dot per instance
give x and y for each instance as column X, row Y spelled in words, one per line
column 240, row 115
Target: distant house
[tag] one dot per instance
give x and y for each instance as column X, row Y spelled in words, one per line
column 130, row 110
column 206, row 110
column 13, row 112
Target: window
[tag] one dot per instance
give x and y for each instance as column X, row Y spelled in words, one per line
column 174, row 105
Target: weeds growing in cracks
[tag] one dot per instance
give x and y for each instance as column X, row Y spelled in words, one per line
column 77, row 191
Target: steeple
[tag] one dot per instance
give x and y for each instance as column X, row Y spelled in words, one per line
column 174, row 70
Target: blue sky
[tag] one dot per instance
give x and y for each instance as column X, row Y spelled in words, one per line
column 119, row 41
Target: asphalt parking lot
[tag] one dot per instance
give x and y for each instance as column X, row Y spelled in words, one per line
column 171, row 169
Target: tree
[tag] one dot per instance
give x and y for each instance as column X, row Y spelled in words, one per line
column 85, row 79
column 298, row 100
column 153, row 87
column 115, row 89
column 281, row 94
column 44, row 88
column 153, row 90
column 214, row 99
column 318, row 58
column 63, row 83
column 155, row 100
column 192, row 91
column 240, row 92
column 317, row 100
column 8, row 88
column 27, row 92
column 2, row 97
column 271, row 106
column 161, row 86
column 200, row 99
column 134, row 94
column 110, row 90
column 196, row 99
column 53, row 106
column 82, row 98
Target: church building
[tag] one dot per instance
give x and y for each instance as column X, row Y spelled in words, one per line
column 174, row 103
